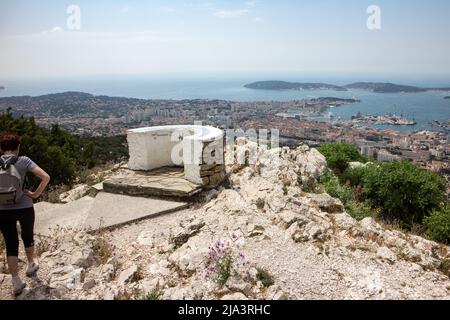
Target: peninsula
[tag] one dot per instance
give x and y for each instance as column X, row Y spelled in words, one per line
column 378, row 87
column 381, row 87
column 283, row 85
column 448, row 97
column 386, row 87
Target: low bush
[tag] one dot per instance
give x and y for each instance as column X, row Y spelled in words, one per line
column 403, row 191
column 155, row 294
column 438, row 224
column 334, row 188
column 339, row 155
column 359, row 210
column 221, row 263
column 354, row 177
column 398, row 192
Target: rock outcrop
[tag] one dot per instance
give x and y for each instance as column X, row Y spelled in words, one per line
column 279, row 241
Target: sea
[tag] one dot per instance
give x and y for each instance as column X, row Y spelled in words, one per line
column 423, row 107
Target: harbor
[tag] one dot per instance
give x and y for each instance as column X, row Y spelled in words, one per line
column 389, row 119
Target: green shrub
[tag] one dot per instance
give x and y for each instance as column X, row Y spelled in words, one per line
column 353, row 177
column 359, row 211
column 224, row 269
column 61, row 154
column 155, row 294
column 334, row 188
column 402, row 191
column 311, row 186
column 445, row 267
column 438, row 224
column 339, row 154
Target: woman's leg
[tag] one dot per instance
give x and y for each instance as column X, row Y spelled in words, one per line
column 8, row 225
column 9, row 230
column 13, row 266
column 26, row 220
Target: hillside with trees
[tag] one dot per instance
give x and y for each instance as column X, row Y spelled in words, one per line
column 63, row 155
column 398, row 193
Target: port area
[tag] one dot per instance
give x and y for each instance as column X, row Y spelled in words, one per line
column 444, row 124
column 389, row 119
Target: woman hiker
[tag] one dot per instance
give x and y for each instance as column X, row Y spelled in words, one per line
column 16, row 204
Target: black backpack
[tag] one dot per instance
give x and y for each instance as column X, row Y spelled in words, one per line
column 11, row 184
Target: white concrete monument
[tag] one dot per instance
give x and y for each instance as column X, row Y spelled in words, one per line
column 199, row 149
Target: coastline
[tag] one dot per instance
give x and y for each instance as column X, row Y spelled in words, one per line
column 424, row 107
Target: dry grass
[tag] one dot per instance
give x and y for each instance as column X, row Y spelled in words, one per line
column 43, row 244
column 2, row 245
column 265, row 277
column 103, row 249
column 155, row 294
column 260, row 203
column 125, row 294
column 3, row 267
column 139, row 275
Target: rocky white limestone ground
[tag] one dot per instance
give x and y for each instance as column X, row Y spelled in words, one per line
column 311, row 247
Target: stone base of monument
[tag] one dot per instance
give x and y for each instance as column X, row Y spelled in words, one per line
column 168, row 166
column 163, row 182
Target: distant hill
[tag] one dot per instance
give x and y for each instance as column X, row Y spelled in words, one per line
column 283, row 85
column 378, row 87
column 69, row 103
column 386, row 87
column 2, row 88
column 448, row 97
column 63, row 155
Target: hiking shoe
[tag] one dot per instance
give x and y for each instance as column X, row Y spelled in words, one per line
column 32, row 269
column 18, row 286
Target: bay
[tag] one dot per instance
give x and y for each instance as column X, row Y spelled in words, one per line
column 424, row 107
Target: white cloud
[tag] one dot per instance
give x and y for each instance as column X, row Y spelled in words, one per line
column 251, row 3
column 55, row 30
column 258, row 19
column 230, row 14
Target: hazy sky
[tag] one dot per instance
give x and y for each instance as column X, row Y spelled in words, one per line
column 228, row 36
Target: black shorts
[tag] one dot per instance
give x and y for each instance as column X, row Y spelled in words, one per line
column 8, row 227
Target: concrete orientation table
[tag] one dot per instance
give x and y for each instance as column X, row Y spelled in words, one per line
column 199, row 149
